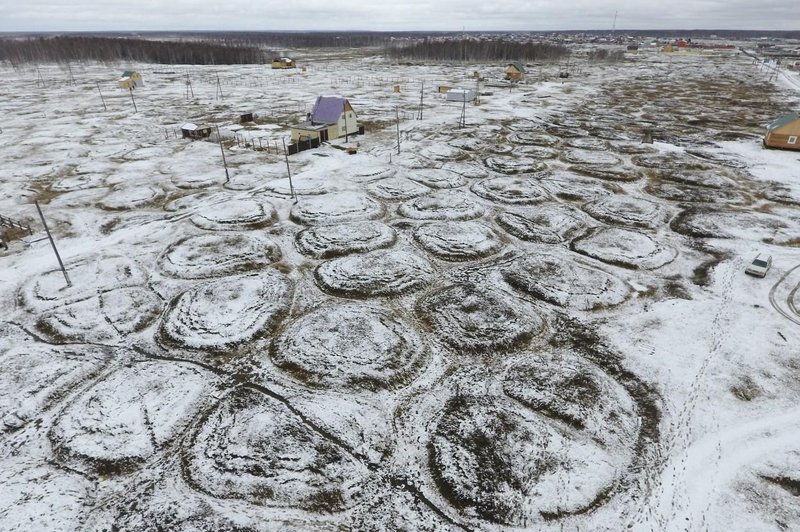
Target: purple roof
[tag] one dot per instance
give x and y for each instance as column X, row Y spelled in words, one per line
column 328, row 109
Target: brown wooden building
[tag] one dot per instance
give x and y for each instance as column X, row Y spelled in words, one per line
column 784, row 133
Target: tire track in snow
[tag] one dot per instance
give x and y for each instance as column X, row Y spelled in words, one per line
column 783, row 301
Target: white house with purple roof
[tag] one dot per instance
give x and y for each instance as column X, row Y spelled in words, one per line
column 332, row 117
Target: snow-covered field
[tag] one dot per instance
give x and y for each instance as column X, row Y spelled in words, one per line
column 531, row 322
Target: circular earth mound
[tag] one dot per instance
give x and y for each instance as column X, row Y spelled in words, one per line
column 511, row 190
column 441, row 206
column 632, row 148
column 351, row 345
column 129, row 197
column 528, row 138
column 493, row 458
column 608, row 173
column 435, row 178
column 514, row 165
column 624, row 247
column 683, row 193
column 396, row 189
column 588, row 143
column 378, row 273
column 568, row 389
column 90, row 276
column 707, row 223
column 194, row 179
column 301, row 185
column 36, row 375
column 253, row 448
column 570, row 131
column 474, row 320
column 628, row 211
column 537, row 152
column 590, row 157
column 184, row 203
column 547, row 223
column 335, row 208
column 566, row 283
column 215, row 255
column 443, row 152
column 573, row 187
column 236, row 215
column 458, row 241
column 126, row 417
column 670, row 161
column 701, row 178
column 222, row 314
column 328, row 241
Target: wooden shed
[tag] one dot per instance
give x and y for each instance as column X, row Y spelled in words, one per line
column 131, row 79
column 784, row 133
column 283, row 62
column 332, row 117
column 193, row 131
column 515, row 71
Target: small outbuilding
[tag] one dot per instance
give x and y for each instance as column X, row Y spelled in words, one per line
column 193, row 131
column 332, row 117
column 131, row 79
column 515, row 71
column 461, row 95
column 283, row 62
column 784, row 133
column 246, row 117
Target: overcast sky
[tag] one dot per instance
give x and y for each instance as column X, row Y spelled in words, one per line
column 383, row 15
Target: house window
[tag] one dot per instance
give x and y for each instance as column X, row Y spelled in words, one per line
column 793, row 139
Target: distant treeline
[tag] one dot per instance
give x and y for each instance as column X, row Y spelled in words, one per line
column 284, row 40
column 478, row 50
column 62, row 49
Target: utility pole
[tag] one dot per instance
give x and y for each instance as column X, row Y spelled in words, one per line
column 614, row 25
column 101, row 96
column 218, row 93
column 135, row 110
column 421, row 96
column 346, row 134
column 288, row 170
column 52, row 243
column 397, row 120
column 189, row 86
column 224, row 161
